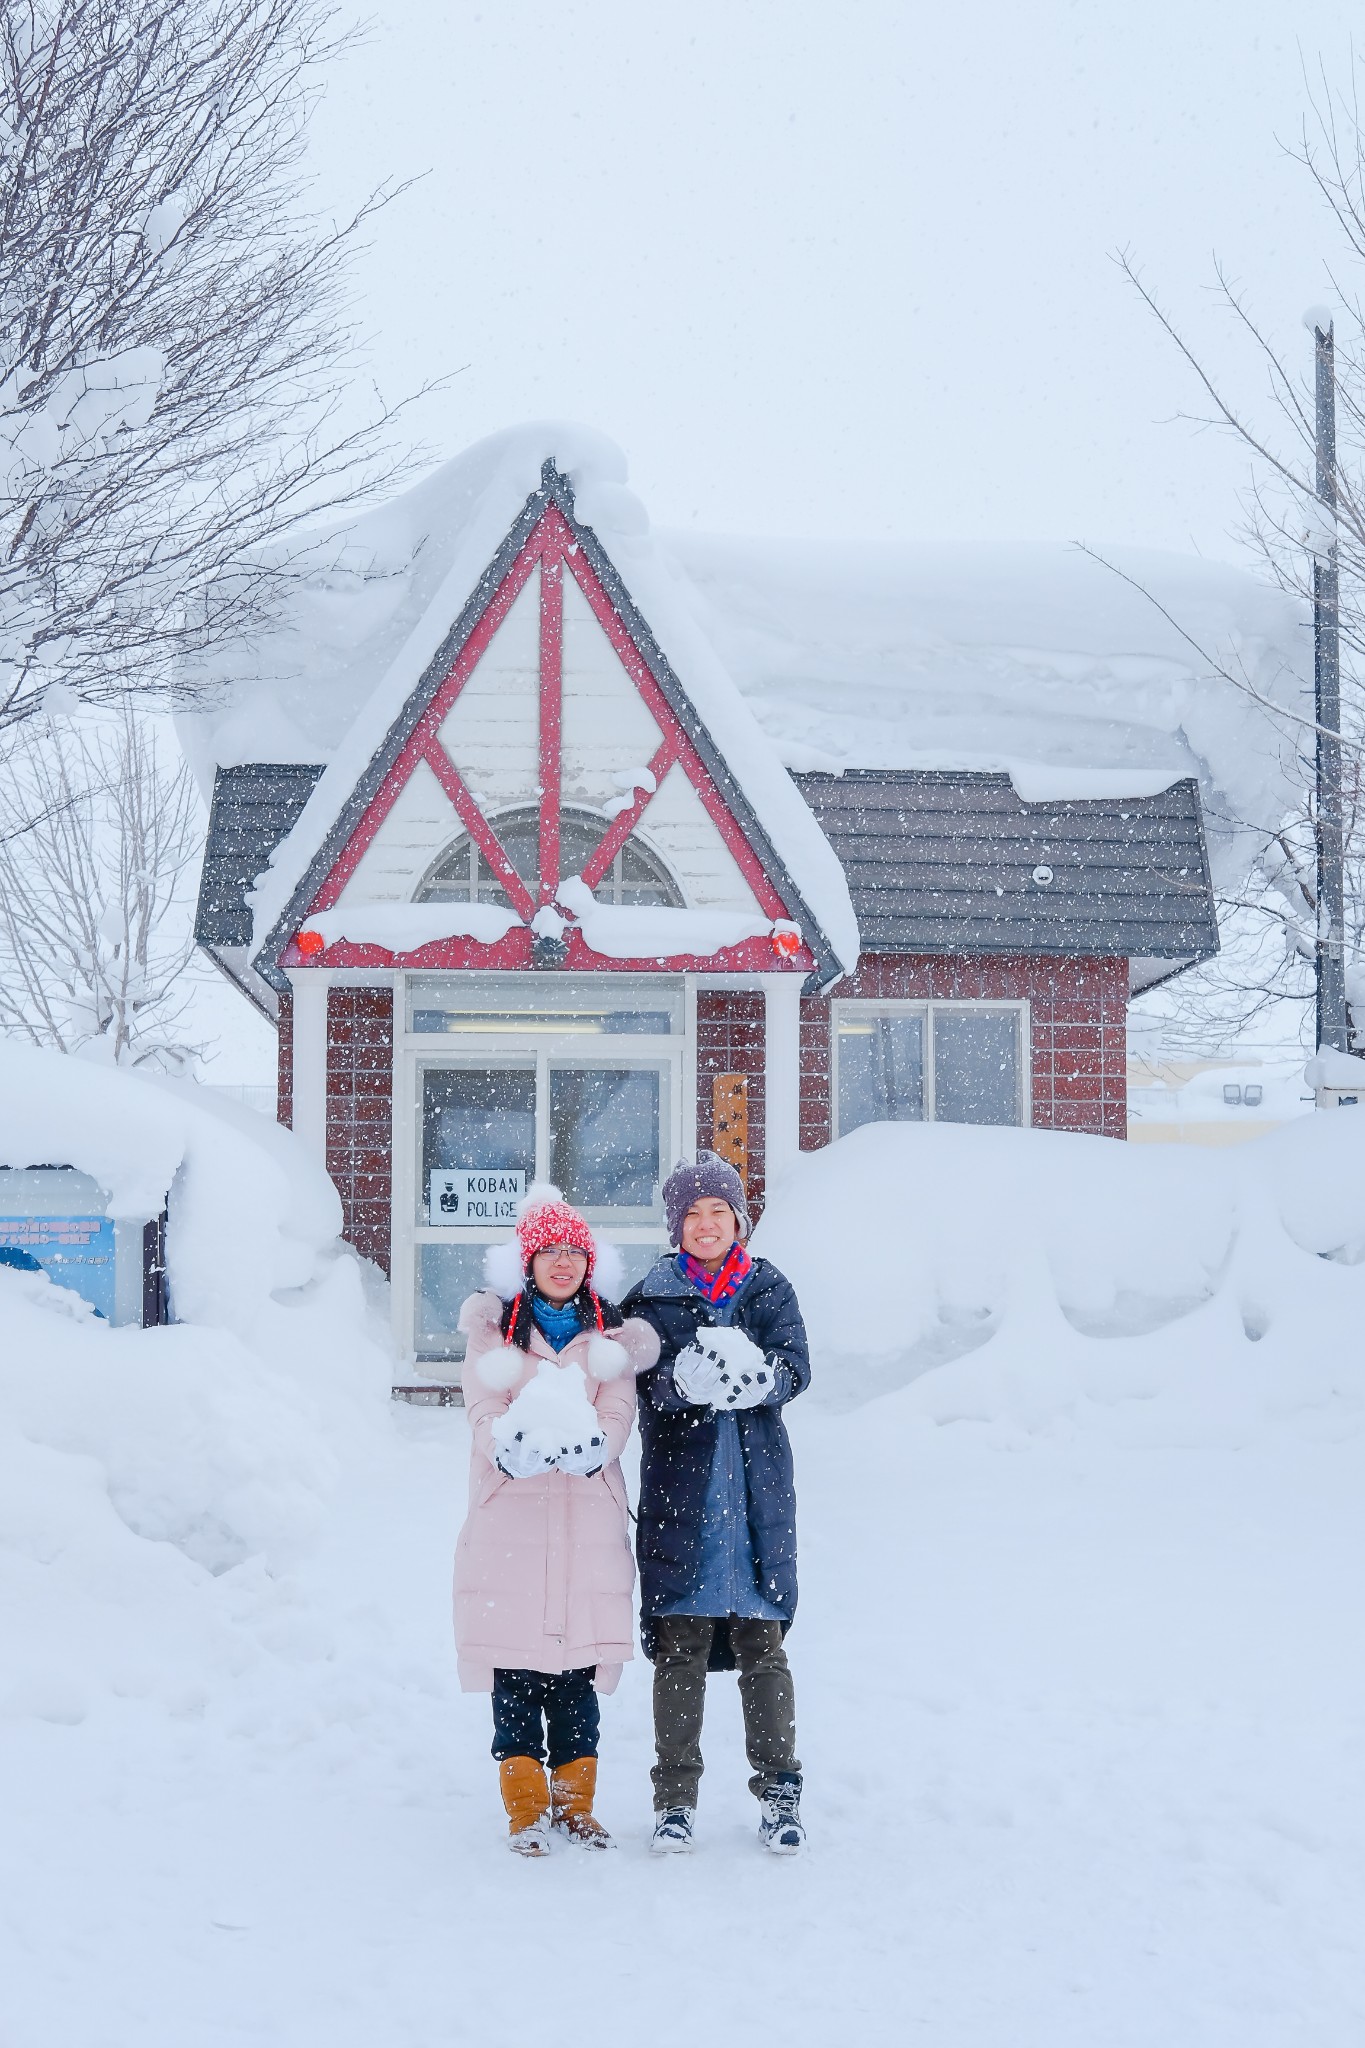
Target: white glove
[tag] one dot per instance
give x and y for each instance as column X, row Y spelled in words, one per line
column 698, row 1377
column 585, row 1458
column 727, row 1369
column 524, row 1455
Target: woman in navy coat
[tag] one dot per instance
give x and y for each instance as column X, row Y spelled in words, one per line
column 717, row 1525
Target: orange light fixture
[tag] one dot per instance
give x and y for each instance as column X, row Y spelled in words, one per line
column 310, row 944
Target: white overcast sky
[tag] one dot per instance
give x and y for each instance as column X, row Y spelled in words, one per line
column 840, row 270
column 831, row 270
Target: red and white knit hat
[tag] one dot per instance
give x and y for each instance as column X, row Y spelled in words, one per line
column 546, row 1219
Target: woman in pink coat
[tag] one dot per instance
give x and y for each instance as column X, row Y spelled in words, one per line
column 544, row 1575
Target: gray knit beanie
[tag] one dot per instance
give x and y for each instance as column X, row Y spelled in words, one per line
column 710, row 1176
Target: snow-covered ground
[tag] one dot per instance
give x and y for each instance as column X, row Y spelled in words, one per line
column 1080, row 1671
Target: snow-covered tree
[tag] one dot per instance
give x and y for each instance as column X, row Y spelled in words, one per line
column 99, row 831
column 1273, row 920
column 174, row 340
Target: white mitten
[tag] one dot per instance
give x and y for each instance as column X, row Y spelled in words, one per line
column 740, row 1373
column 524, row 1454
column 697, row 1377
column 585, row 1457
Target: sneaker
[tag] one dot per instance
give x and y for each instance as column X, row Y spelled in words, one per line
column 779, row 1827
column 673, row 1831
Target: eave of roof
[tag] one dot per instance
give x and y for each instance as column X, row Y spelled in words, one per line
column 944, row 861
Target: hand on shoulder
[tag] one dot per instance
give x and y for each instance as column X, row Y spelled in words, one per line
column 480, row 1311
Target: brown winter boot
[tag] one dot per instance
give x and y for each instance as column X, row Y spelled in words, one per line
column 527, row 1799
column 571, row 1794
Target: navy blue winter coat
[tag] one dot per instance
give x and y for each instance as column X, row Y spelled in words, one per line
column 678, row 1442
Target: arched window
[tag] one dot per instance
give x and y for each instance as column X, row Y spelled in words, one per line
column 462, row 874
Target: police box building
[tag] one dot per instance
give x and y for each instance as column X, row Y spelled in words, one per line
column 555, row 852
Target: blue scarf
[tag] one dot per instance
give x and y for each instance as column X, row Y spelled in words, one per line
column 725, row 1281
column 558, row 1326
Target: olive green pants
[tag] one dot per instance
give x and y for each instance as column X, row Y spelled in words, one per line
column 767, row 1695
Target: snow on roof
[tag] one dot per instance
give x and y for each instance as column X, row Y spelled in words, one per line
column 1039, row 661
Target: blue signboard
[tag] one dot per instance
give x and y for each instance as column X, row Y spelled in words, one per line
column 74, row 1251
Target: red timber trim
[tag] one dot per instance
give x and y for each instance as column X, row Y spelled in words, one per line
column 551, row 718
column 1078, row 1029
column 550, row 546
column 478, row 828
column 423, row 743
column 751, row 956
column 360, row 1115
column 624, row 823
column 662, row 712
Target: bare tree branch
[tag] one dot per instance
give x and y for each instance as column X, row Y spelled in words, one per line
column 99, row 837
column 176, row 353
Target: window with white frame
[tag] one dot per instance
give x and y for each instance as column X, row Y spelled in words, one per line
column 956, row 1063
column 635, row 875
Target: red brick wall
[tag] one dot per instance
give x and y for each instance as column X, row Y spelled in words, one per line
column 360, row 1114
column 730, row 1040
column 815, row 1071
column 1078, row 1016
column 284, row 1070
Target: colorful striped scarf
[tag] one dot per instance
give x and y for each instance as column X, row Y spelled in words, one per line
column 727, row 1279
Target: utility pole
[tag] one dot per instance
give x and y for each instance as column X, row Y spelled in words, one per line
column 1330, row 954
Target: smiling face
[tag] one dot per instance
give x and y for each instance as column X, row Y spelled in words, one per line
column 709, row 1229
column 559, row 1271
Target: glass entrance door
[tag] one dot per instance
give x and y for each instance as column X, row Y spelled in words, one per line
column 601, row 1127
column 605, row 1131
column 477, row 1117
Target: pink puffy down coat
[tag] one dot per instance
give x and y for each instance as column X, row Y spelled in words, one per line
column 544, row 1574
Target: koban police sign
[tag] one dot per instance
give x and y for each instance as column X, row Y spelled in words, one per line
column 468, row 1194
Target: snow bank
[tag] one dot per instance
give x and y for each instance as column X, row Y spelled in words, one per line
column 250, row 1213
column 1015, row 1275
column 1330, row 1068
column 140, row 1469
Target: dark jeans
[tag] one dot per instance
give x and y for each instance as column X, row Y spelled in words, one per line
column 568, row 1703
column 767, row 1695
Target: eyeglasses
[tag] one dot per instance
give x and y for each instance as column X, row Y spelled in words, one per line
column 565, row 1251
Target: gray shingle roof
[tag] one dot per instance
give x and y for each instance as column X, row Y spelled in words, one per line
column 253, row 808
column 942, row 861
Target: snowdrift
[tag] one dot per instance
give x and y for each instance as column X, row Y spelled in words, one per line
column 1040, row 1270
column 150, row 1478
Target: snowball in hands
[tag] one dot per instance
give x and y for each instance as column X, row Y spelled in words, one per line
column 551, row 1423
column 697, row 1377
column 723, row 1369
